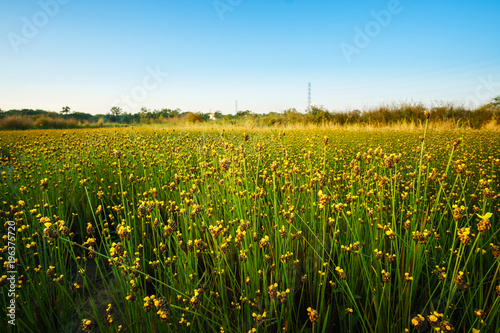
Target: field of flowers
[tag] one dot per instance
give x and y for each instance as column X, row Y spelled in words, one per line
column 154, row 230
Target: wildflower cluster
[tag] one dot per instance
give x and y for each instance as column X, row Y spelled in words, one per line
column 168, row 229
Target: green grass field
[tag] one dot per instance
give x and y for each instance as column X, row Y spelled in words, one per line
column 217, row 230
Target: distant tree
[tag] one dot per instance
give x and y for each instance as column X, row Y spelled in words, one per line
column 290, row 111
column 217, row 114
column 65, row 110
column 116, row 111
column 314, row 109
column 496, row 102
column 354, row 116
column 319, row 114
column 243, row 113
column 175, row 113
column 205, row 116
column 145, row 114
column 166, row 112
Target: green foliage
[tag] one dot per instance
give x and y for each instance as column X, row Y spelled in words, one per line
column 16, row 123
column 65, row 110
column 217, row 114
column 314, row 230
column 194, row 117
column 385, row 115
column 116, row 111
column 496, row 102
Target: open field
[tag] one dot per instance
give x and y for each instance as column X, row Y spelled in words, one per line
column 313, row 230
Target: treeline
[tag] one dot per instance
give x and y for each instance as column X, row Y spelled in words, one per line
column 379, row 116
column 391, row 115
column 31, row 119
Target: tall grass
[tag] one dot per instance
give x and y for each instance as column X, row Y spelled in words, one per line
column 16, row 122
column 312, row 230
column 43, row 122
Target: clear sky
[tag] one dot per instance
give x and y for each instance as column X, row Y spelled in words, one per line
column 204, row 55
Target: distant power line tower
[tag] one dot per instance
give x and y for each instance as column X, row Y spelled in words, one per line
column 309, row 97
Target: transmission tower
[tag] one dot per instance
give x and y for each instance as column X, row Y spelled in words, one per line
column 309, row 97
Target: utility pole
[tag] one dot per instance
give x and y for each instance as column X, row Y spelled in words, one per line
column 236, row 107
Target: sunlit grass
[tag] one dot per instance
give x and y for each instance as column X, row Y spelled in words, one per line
column 225, row 229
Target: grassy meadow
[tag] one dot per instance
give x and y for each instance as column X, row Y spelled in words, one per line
column 263, row 230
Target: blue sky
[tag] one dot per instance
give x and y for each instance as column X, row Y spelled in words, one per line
column 204, row 55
